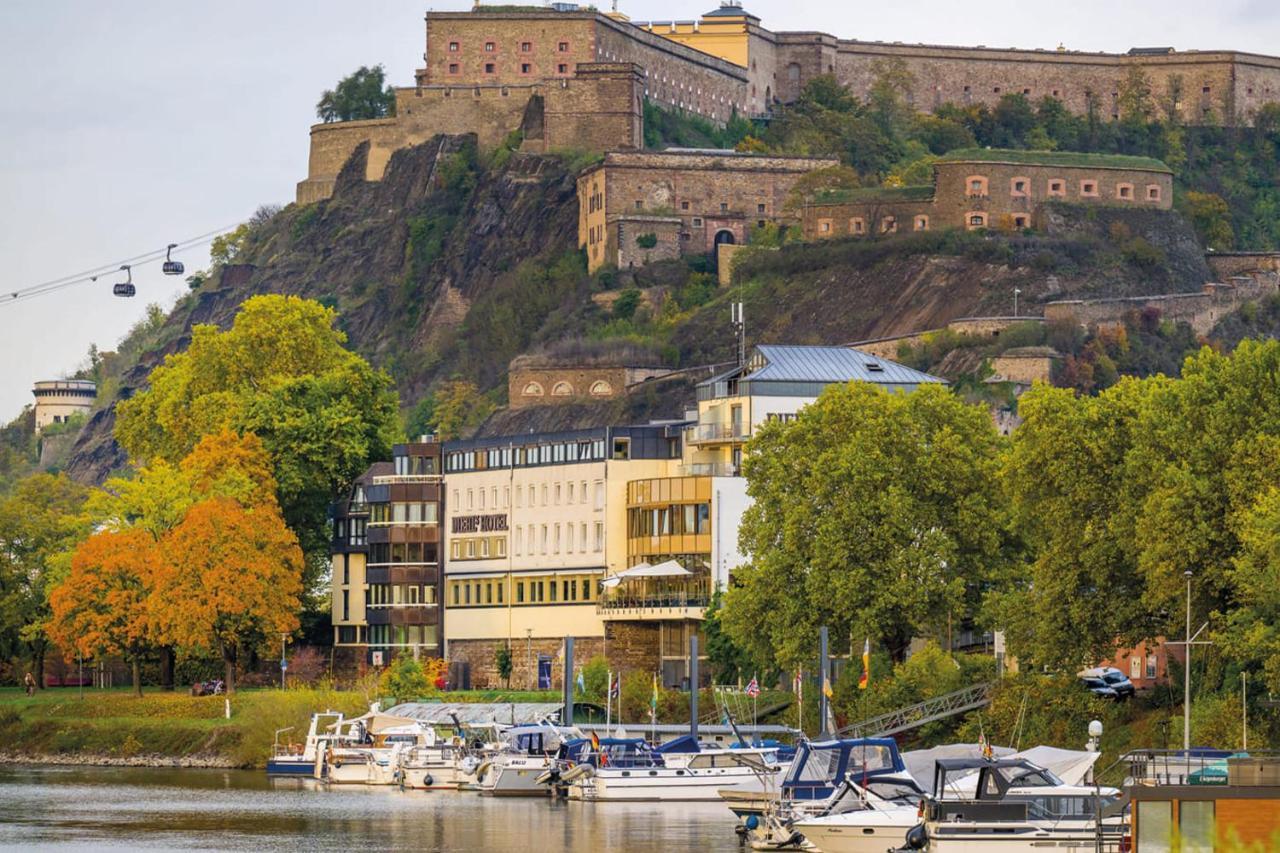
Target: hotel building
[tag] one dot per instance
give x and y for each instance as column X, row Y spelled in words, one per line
column 530, row 537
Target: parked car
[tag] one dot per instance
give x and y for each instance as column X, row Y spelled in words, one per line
column 1099, row 688
column 1113, row 678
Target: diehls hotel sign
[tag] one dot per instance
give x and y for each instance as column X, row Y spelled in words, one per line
column 479, row 523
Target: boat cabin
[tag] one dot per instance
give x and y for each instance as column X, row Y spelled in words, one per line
column 819, row 768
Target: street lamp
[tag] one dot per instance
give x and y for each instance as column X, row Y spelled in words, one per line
column 1186, row 676
column 1016, row 291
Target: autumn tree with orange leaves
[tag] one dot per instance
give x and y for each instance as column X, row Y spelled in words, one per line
column 229, row 581
column 102, row 606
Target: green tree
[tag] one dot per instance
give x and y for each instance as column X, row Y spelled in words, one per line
column 362, row 94
column 729, row 661
column 875, row 513
column 225, row 248
column 405, row 680
column 281, row 372
column 502, row 660
column 41, row 521
column 459, row 407
column 1211, row 218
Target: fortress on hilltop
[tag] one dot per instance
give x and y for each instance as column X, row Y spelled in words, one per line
column 571, row 77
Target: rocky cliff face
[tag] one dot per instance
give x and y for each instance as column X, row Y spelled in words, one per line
column 450, row 267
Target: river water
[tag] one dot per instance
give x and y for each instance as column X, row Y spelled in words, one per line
column 96, row 808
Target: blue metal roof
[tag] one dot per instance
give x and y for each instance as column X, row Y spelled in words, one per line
column 822, row 364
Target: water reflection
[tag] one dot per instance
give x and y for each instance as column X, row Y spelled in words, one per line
column 97, row 808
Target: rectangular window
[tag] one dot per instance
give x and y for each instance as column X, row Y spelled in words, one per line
column 544, row 539
column 553, row 590
column 501, row 584
column 557, row 494
column 481, row 499
column 568, row 587
column 563, row 47
column 568, row 538
column 501, row 544
column 453, row 47
column 582, row 537
column 484, row 547
column 557, row 548
column 1151, row 666
column 519, row 539
column 583, row 492
column 697, row 222
column 488, row 593
column 1135, row 667
column 488, row 47
column 570, row 498
column 526, row 47
column 454, row 68
column 525, row 68
column 599, row 538
column 1154, row 826
column 599, row 494
column 466, row 593
column 562, row 68
column 456, row 550
column 520, row 593
column 586, row 589
column 346, row 605
column 489, row 68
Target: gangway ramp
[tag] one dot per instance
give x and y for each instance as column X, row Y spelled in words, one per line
column 913, row 716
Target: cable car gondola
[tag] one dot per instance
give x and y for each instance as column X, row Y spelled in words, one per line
column 172, row 267
column 125, row 288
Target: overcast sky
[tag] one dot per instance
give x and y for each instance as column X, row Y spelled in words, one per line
column 131, row 125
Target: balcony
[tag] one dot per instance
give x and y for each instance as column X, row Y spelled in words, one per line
column 716, row 433
column 392, row 479
column 709, row 469
column 641, row 605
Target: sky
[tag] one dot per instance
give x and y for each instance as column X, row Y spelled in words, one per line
column 127, row 126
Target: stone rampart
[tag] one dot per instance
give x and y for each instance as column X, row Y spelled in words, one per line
column 1201, row 311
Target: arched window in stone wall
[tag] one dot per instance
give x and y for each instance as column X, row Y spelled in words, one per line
column 562, row 389
column 600, row 388
column 533, row 389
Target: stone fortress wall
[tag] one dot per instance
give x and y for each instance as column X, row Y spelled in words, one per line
column 578, row 79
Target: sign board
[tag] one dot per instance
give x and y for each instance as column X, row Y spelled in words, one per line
column 999, row 642
column 284, row 664
column 377, row 658
column 478, row 523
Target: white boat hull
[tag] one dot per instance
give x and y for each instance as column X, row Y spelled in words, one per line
column 516, row 779
column 664, row 784
column 868, row 836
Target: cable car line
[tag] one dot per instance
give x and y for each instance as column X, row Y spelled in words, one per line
column 170, row 267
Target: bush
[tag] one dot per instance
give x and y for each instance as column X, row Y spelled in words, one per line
column 647, row 241
column 405, row 680
column 624, row 308
column 1142, row 254
column 595, row 677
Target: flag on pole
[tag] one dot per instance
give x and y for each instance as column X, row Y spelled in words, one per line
column 753, row 688
column 653, row 700
column 615, row 686
column 865, row 679
column 800, row 684
column 826, row 685
column 582, row 683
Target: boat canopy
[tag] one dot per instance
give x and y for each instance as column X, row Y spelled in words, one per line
column 819, row 767
column 667, row 569
column 1072, row 766
column 685, row 743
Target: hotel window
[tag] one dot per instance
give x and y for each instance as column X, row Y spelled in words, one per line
column 552, row 584
column 570, row 498
column 1124, row 192
column 582, row 530
column 455, row 595
column 544, row 495
column 488, row 47
column 1089, row 188
column 586, row 589
column 599, row 538
column 544, row 539
column 1057, row 187
column 1020, row 187
column 453, row 47
column 506, row 496
column 557, row 539
column 484, row 547
column 488, row 593
column 456, row 551
column 346, row 605
column 520, row 593
column 501, row 584
column 501, row 549
column 466, row 593
column 482, row 499
column 568, row 538
column 1153, row 192
column 519, row 495
column 583, row 492
column 570, row 590
column 557, row 494
column 469, row 549
column 599, row 494
column 471, row 499
column 922, row 223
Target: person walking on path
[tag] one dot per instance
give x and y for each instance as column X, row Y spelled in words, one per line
column 30, row 683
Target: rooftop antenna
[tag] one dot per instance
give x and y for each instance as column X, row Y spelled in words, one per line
column 737, row 318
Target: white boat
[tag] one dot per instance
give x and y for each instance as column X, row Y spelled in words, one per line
column 517, row 767
column 300, row 759
column 998, row 813
column 623, row 774
column 367, row 750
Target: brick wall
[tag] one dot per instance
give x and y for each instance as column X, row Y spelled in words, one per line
column 627, row 231
column 542, row 386
column 1201, row 310
column 1227, row 265
column 480, row 655
column 632, row 646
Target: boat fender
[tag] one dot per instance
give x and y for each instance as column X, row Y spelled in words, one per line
column 546, row 777
column 917, row 837
column 753, row 822
column 482, row 770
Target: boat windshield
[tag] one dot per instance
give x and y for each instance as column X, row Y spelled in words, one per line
column 1024, row 777
column 1049, row 807
column 898, row 791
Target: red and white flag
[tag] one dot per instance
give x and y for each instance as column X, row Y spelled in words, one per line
column 753, row 688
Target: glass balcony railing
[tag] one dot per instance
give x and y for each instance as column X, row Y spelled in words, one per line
column 709, row 469
column 706, row 433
